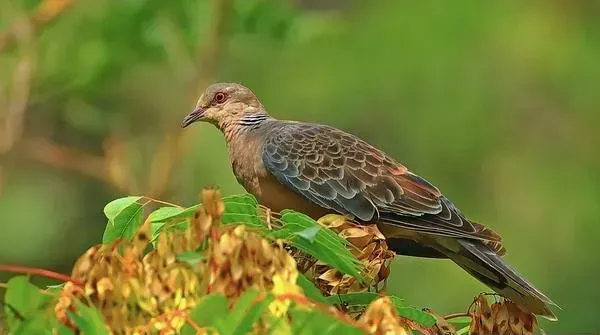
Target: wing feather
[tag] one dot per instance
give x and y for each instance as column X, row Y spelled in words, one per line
column 338, row 171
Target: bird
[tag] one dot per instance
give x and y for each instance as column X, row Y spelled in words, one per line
column 318, row 169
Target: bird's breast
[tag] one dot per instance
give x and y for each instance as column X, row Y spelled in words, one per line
column 278, row 197
column 245, row 154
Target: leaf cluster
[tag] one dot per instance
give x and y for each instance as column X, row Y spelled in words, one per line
column 188, row 242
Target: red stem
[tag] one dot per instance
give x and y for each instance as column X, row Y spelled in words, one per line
column 39, row 272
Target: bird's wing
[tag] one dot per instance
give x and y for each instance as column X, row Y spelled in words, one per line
column 339, row 171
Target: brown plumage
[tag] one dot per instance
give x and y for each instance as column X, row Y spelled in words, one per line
column 318, row 169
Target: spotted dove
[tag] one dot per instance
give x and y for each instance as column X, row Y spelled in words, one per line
column 317, row 169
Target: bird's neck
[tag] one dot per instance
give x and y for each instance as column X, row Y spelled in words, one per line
column 240, row 128
column 244, row 139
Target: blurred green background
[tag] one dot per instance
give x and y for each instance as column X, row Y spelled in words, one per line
column 497, row 103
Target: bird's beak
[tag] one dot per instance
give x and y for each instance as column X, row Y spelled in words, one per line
column 192, row 117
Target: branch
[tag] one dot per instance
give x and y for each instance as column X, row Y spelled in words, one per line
column 111, row 168
column 62, row 157
column 38, row 272
column 13, row 107
column 12, row 111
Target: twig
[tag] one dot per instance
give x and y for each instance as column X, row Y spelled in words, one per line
column 163, row 202
column 38, row 272
column 457, row 315
column 111, row 167
column 193, row 324
column 13, row 107
column 108, row 168
column 62, row 157
column 16, row 105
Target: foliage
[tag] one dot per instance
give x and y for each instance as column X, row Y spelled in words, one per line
column 226, row 271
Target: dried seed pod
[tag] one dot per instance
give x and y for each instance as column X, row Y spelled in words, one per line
column 503, row 317
column 482, row 322
column 441, row 326
column 240, row 259
column 520, row 321
column 367, row 243
column 136, row 292
column 381, row 318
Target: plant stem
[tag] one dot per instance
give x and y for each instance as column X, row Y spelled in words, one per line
column 38, row 272
column 457, row 315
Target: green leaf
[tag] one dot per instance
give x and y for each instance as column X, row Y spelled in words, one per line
column 361, row 298
column 352, row 299
column 463, row 330
column 310, row 290
column 237, row 312
column 190, row 257
column 24, row 297
column 244, row 198
column 116, row 207
column 88, row 319
column 253, row 315
column 36, row 325
column 365, row 298
column 156, row 228
column 186, row 213
column 63, row 330
column 239, row 209
column 246, row 312
column 160, row 217
column 310, row 233
column 164, row 214
column 423, row 318
column 124, row 218
column 318, row 322
column 460, row 320
column 242, row 209
column 210, row 312
column 327, row 245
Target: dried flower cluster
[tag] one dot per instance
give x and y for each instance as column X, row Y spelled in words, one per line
column 501, row 318
column 138, row 293
column 367, row 243
column 135, row 293
column 241, row 259
column 381, row 318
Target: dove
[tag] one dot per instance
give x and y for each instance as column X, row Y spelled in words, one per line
column 318, row 169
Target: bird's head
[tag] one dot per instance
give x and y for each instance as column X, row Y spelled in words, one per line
column 224, row 103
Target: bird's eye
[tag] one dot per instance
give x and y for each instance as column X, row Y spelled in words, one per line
column 219, row 98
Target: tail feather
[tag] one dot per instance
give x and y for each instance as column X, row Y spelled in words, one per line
column 489, row 268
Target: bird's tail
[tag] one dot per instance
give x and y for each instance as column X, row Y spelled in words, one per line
column 489, row 268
